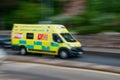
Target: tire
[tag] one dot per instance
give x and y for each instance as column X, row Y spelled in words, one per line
column 23, row 51
column 63, row 54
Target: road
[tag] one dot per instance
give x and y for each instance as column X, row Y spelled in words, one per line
column 105, row 60
column 28, row 71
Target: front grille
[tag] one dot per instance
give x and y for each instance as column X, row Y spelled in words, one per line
column 77, row 49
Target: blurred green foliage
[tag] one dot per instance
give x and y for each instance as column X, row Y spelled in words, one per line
column 27, row 11
column 6, row 6
column 100, row 15
column 104, row 5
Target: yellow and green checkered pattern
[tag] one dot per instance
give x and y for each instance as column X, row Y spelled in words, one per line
column 37, row 45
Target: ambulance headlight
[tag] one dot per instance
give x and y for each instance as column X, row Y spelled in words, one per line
column 71, row 45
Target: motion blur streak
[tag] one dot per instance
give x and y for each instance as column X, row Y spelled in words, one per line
column 2, row 55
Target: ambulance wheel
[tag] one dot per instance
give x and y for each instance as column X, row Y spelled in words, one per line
column 63, row 54
column 23, row 51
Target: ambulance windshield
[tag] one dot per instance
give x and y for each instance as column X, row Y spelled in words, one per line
column 68, row 37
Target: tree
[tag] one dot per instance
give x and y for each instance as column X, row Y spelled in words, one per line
column 6, row 6
column 105, row 5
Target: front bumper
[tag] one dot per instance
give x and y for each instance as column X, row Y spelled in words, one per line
column 74, row 51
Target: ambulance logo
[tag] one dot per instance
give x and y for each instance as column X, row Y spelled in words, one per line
column 42, row 36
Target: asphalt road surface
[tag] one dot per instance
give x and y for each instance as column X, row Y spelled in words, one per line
column 105, row 60
column 28, row 71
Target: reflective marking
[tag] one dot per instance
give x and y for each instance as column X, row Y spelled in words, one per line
column 22, row 41
column 30, row 47
column 54, row 44
column 37, row 43
column 45, row 48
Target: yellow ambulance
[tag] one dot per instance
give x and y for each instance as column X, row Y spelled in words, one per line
column 52, row 39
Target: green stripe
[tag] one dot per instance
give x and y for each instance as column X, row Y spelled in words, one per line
column 45, row 48
column 54, row 44
column 37, row 43
column 30, row 46
column 22, row 41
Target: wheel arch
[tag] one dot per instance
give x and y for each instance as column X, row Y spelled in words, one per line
column 63, row 48
column 22, row 46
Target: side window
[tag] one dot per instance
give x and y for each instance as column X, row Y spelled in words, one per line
column 56, row 38
column 29, row 36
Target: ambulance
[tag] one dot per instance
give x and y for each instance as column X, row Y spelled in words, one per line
column 51, row 39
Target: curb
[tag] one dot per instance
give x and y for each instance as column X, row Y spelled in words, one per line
column 64, row 63
column 103, row 52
